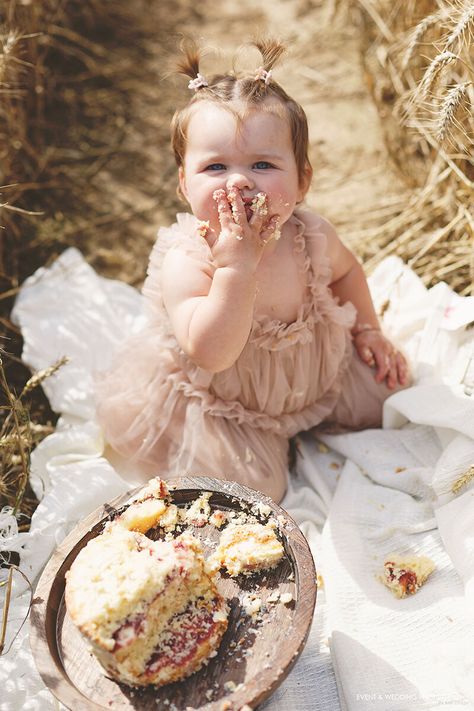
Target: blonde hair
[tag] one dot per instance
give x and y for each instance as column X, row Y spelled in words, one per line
column 228, row 89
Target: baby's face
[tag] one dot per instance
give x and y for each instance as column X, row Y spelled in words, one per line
column 254, row 155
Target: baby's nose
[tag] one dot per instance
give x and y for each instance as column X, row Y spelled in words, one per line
column 240, row 180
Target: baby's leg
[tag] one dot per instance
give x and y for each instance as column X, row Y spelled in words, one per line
column 223, row 448
column 360, row 403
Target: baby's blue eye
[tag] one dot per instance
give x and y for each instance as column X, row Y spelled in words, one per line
column 262, row 165
column 216, row 166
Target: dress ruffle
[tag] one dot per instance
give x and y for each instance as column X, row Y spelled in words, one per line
column 165, row 413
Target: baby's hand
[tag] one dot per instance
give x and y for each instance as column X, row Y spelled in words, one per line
column 377, row 351
column 241, row 240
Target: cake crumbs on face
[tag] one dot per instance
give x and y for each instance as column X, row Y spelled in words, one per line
column 259, row 205
column 203, row 228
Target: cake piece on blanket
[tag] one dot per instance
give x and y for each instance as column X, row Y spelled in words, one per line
column 149, row 609
column 404, row 575
column 247, row 548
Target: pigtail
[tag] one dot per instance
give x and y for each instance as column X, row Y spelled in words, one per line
column 189, row 63
column 271, row 50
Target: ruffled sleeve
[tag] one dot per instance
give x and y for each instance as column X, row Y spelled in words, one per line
column 181, row 235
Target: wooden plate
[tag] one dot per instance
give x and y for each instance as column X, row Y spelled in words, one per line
column 254, row 657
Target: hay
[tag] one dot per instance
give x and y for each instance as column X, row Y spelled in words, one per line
column 418, row 56
column 80, row 144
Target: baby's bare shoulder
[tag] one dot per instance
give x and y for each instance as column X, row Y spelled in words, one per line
column 184, row 276
column 320, row 233
column 322, row 237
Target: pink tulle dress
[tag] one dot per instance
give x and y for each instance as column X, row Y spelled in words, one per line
column 166, row 415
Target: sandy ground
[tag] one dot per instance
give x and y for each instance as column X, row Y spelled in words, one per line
column 323, row 71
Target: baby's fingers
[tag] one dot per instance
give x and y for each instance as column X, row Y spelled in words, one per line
column 383, row 362
column 402, row 369
column 237, row 206
column 223, row 209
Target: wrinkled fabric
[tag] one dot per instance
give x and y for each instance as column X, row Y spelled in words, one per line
column 162, row 412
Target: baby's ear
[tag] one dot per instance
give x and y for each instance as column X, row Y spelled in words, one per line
column 182, row 183
column 305, row 182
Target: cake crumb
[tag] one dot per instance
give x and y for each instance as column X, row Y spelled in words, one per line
column 252, row 605
column 261, row 509
column 203, row 228
column 286, row 598
column 199, row 511
column 217, row 518
column 274, row 596
column 248, row 549
column 404, row 575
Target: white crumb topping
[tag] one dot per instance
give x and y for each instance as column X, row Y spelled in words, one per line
column 261, row 509
column 156, row 488
column 286, row 598
column 248, row 548
column 200, row 510
column 117, row 574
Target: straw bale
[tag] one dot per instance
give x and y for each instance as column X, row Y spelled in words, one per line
column 419, row 57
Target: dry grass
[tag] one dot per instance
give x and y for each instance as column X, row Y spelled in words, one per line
column 81, row 141
column 80, row 84
column 419, row 59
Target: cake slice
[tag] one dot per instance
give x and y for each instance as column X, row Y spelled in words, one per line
column 247, row 548
column 404, row 575
column 149, row 609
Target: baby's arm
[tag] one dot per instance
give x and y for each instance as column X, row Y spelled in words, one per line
column 349, row 284
column 211, row 313
column 211, row 306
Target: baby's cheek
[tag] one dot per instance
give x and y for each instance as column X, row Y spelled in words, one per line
column 280, row 205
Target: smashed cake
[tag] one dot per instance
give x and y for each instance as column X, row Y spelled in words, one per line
column 247, row 548
column 404, row 575
column 149, row 609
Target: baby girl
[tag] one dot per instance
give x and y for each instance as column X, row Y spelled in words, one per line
column 260, row 321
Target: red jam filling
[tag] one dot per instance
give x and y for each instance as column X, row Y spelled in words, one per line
column 189, row 630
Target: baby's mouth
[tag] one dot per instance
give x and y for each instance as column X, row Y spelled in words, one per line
column 256, row 205
column 248, row 208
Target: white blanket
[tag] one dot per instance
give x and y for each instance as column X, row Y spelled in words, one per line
column 357, row 497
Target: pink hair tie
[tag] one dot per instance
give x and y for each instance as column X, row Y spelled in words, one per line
column 262, row 75
column 198, row 82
